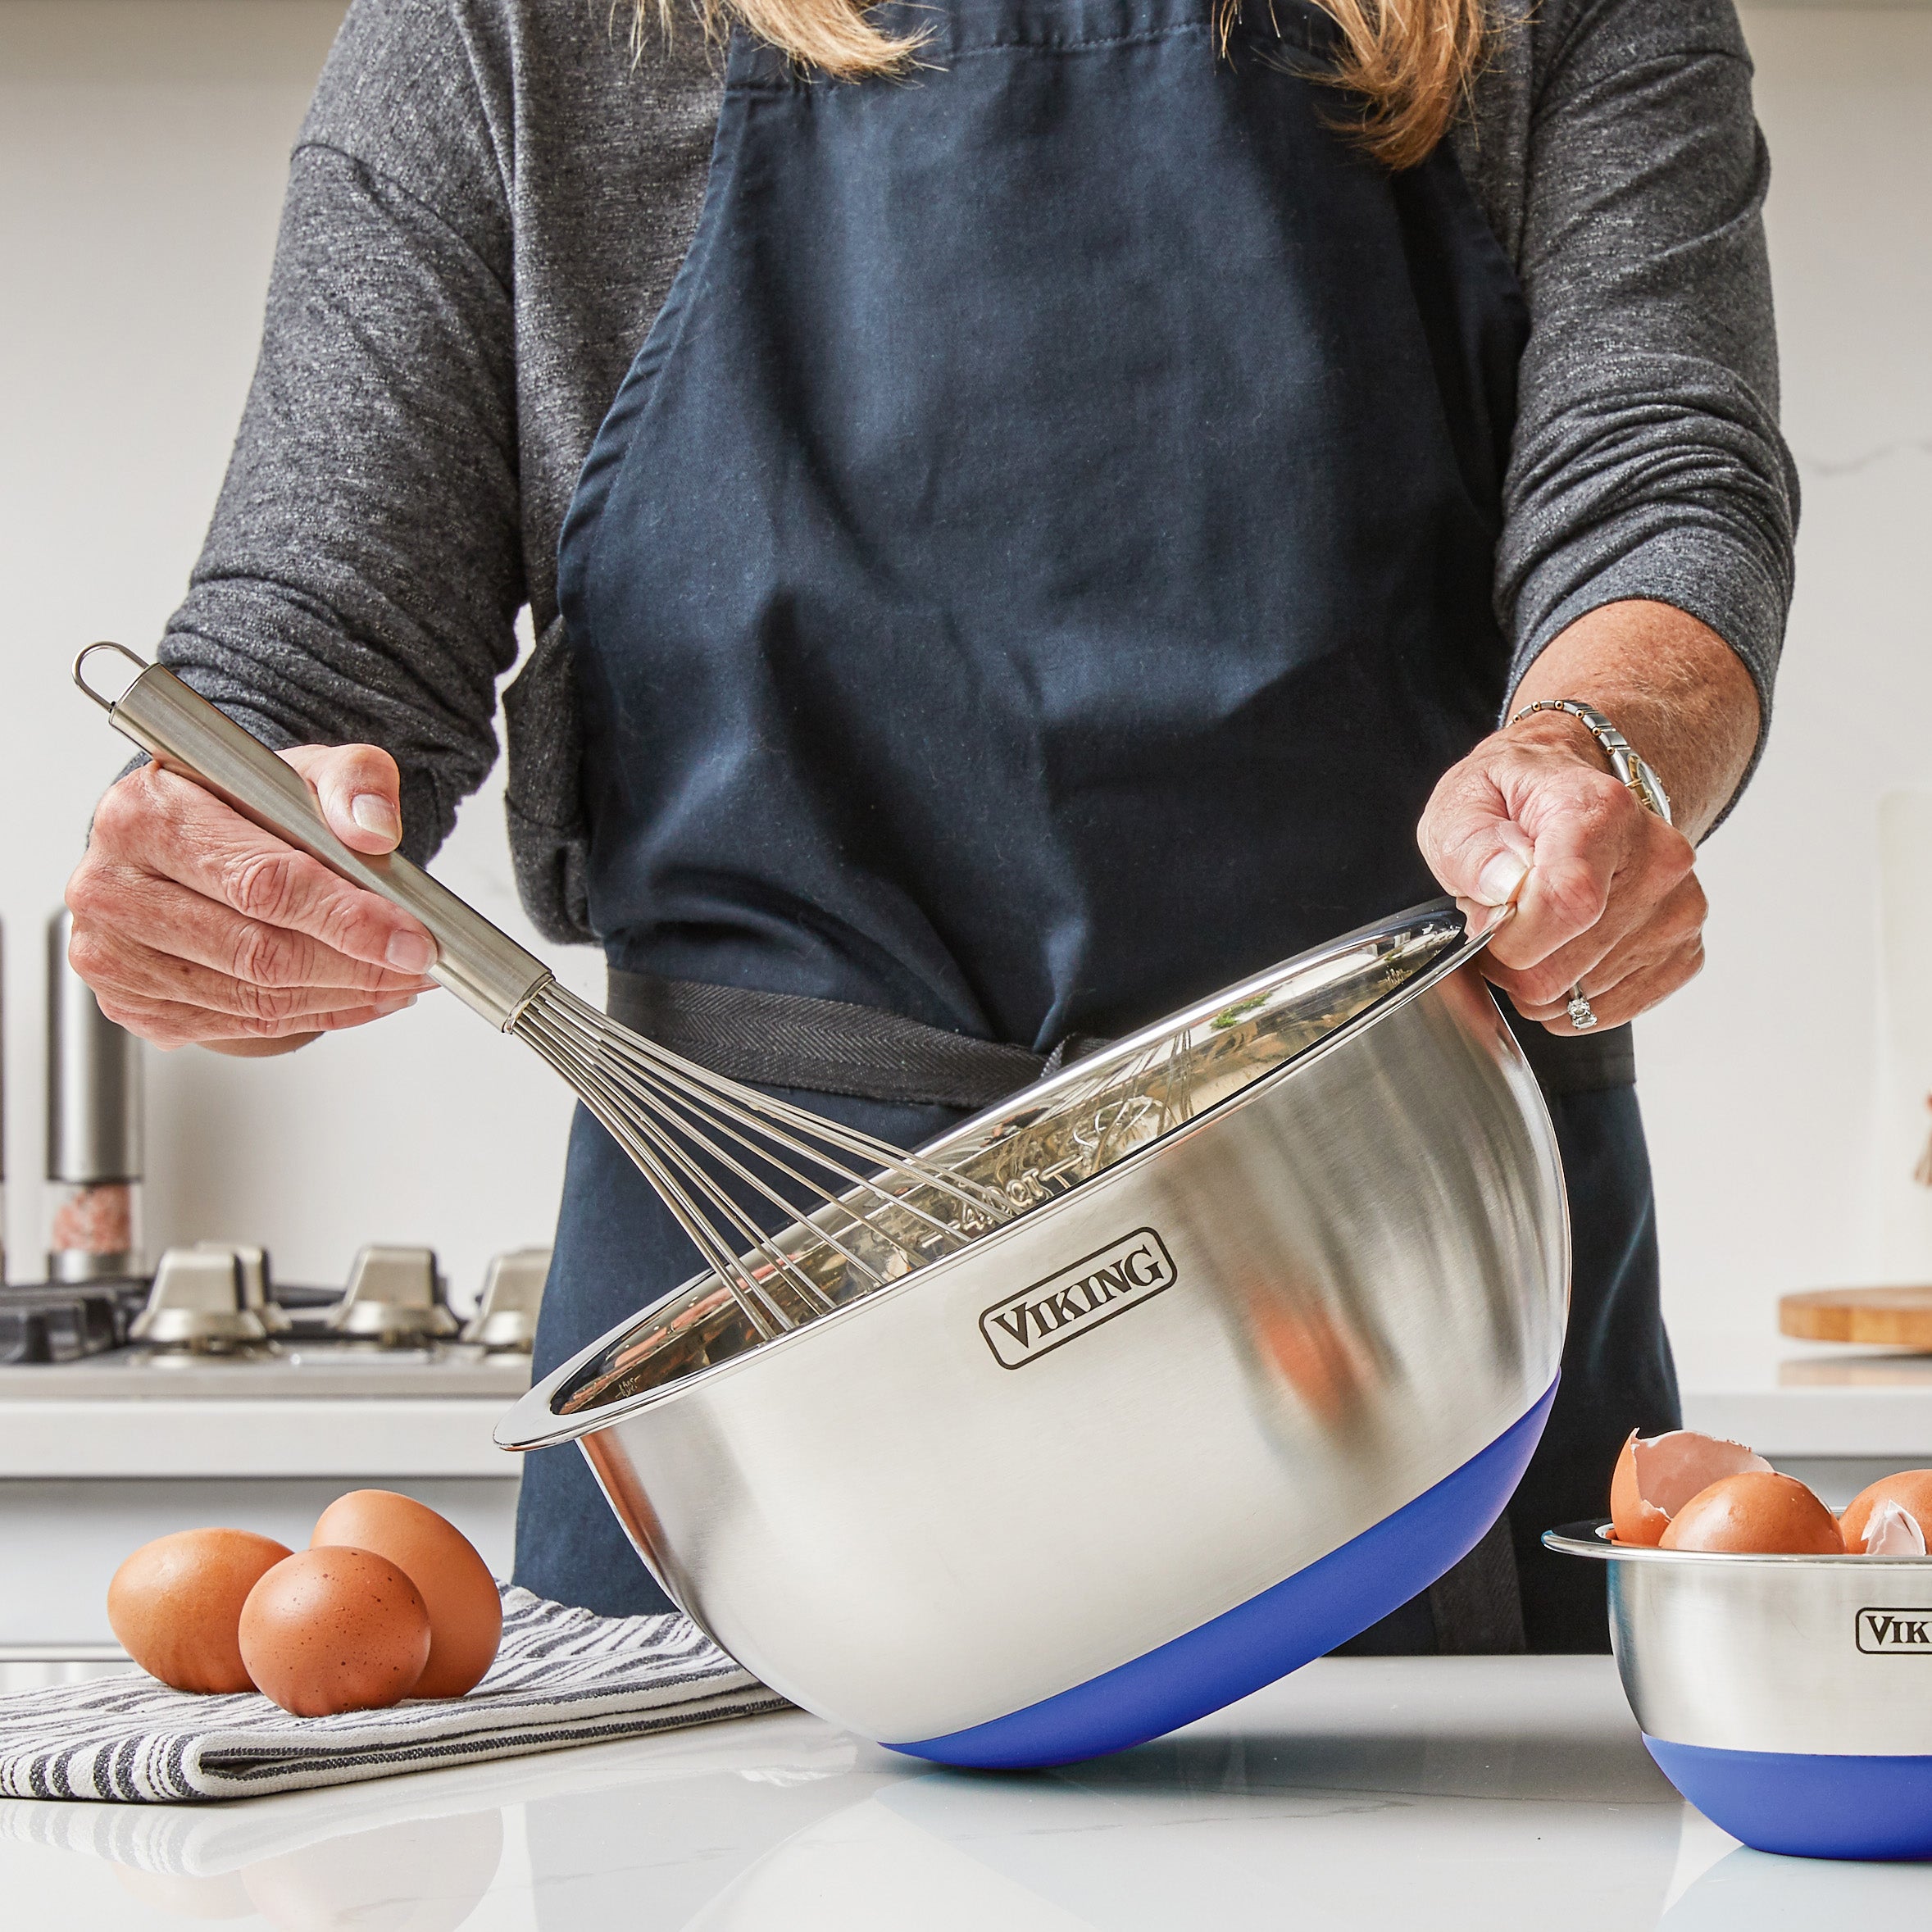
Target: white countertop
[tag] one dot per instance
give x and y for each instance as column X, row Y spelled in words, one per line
column 276, row 1436
column 1798, row 1400
column 309, row 1412
column 1792, row 1400
column 1466, row 1794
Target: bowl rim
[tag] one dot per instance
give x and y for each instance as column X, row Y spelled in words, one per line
column 531, row 1423
column 1591, row 1539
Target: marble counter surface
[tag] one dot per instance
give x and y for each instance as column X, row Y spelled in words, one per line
column 1465, row 1794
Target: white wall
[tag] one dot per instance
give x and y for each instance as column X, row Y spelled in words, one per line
column 1759, row 1080
column 141, row 146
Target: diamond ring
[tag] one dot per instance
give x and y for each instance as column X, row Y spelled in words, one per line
column 1580, row 1016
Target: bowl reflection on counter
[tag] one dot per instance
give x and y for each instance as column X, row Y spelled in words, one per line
column 1748, row 1891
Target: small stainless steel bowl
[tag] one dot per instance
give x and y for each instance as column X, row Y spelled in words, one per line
column 1789, row 1699
column 1265, row 1355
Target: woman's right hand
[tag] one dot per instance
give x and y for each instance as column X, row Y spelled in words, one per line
column 194, row 927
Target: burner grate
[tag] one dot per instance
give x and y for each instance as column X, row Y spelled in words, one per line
column 58, row 1321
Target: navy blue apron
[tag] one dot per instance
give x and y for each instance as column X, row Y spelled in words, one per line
column 1034, row 573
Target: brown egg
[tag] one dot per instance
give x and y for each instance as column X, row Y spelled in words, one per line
column 1911, row 1489
column 465, row 1613
column 1655, row 1475
column 176, row 1605
column 1759, row 1513
column 335, row 1630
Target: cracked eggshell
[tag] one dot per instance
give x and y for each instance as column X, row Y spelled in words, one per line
column 1758, row 1513
column 1910, row 1488
column 1892, row 1531
column 1655, row 1475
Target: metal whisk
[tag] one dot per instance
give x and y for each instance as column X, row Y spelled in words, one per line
column 691, row 1133
column 716, row 1151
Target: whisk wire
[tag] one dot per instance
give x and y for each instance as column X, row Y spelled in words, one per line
column 708, row 1135
column 664, row 1163
column 692, row 1132
column 598, row 1095
column 761, row 1262
column 771, row 1113
column 727, row 1111
column 697, row 1131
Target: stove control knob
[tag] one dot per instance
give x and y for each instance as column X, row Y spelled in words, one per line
column 395, row 1295
column 254, row 1262
column 506, row 1317
column 198, row 1303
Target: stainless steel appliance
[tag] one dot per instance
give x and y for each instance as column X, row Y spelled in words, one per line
column 200, row 1302
column 1267, row 1356
column 2, row 1108
column 94, row 1128
column 395, row 1295
column 214, row 1322
column 1789, row 1699
column 506, row 1315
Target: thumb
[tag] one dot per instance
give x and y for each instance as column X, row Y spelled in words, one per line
column 1477, row 851
column 360, row 791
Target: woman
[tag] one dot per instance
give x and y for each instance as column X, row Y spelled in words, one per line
column 1090, row 477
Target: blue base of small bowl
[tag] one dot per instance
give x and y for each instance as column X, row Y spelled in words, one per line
column 1805, row 1806
column 1302, row 1617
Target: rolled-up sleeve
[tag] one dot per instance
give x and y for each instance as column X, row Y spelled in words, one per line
column 1647, row 460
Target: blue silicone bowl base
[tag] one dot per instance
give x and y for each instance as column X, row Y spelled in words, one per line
column 1807, row 1806
column 1300, row 1618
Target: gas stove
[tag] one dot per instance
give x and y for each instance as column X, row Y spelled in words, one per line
column 212, row 1323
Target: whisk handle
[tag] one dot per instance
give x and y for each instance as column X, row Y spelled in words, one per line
column 180, row 729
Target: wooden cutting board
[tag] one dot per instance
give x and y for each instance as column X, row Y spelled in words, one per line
column 1901, row 1316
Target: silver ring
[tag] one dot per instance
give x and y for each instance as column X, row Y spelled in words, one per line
column 1580, row 1016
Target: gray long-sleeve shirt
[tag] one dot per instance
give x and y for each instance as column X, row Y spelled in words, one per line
column 486, row 206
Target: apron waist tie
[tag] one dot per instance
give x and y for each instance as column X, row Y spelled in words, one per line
column 828, row 1046
column 831, row 1046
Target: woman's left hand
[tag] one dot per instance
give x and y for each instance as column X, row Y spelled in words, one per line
column 1605, row 893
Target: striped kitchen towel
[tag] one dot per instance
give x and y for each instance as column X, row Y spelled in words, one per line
column 562, row 1677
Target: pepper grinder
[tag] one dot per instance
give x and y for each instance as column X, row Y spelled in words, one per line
column 2, row 1105
column 94, row 1128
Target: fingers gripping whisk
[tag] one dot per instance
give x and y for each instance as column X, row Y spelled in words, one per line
column 722, row 1157
column 728, row 1161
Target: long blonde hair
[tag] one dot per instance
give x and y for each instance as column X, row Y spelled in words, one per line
column 1405, row 65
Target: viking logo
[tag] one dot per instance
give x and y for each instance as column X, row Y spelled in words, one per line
column 1076, row 1301
column 1895, row 1633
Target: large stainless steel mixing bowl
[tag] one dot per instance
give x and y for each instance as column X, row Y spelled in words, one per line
column 1265, row 1356
column 1789, row 1699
